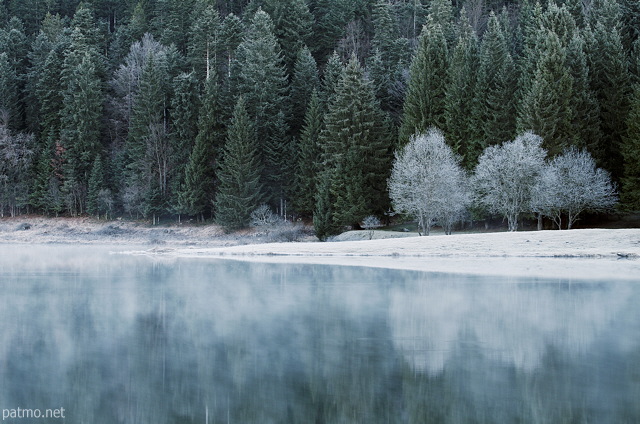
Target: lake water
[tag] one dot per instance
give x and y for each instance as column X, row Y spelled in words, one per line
column 133, row 339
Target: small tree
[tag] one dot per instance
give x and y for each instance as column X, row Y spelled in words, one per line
column 427, row 182
column 370, row 223
column 263, row 216
column 571, row 184
column 504, row 177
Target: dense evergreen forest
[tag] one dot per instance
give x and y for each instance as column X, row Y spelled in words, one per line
column 209, row 108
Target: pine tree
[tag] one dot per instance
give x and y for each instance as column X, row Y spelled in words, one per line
column 356, row 141
column 495, row 106
column 331, row 18
column 96, row 185
column 80, row 128
column 305, row 80
column 185, row 104
column 231, row 32
column 630, row 195
column 13, row 44
column 424, row 105
column 262, row 77
column 548, row 110
column 9, row 100
column 293, row 25
column 240, row 191
column 586, row 111
column 610, row 81
column 323, row 222
column 173, row 19
column 263, row 84
column 460, row 97
column 441, row 13
column 205, row 44
column 331, row 76
column 307, row 166
column 147, row 134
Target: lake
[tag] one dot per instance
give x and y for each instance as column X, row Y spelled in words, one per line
column 115, row 338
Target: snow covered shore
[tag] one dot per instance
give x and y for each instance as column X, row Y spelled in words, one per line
column 592, row 253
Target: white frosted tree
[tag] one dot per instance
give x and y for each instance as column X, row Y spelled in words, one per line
column 428, row 183
column 571, row 184
column 504, row 178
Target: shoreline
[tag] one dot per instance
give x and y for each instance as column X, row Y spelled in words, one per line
column 576, row 254
column 579, row 253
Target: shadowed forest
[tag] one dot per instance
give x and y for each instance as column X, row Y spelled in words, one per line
column 208, row 109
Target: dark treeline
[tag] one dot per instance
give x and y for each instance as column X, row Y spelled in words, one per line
column 205, row 108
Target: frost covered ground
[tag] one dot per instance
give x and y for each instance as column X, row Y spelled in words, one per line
column 590, row 253
column 583, row 253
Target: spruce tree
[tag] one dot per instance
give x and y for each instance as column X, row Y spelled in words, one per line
column 356, row 142
column 263, row 84
column 610, row 81
column 424, row 104
column 331, row 76
column 97, row 183
column 185, row 104
column 293, row 27
column 205, row 44
column 9, row 100
column 630, row 148
column 80, row 129
column 308, row 166
column 305, row 80
column 586, row 111
column 548, row 110
column 460, row 96
column 495, row 106
column 240, row 191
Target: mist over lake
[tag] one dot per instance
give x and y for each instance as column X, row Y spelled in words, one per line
column 117, row 338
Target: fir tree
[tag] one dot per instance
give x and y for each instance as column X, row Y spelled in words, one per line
column 548, row 106
column 80, row 128
column 495, row 107
column 205, row 44
column 308, row 166
column 173, row 19
column 586, row 111
column 9, row 90
column 240, row 191
column 323, row 222
column 356, row 141
column 96, row 185
column 424, row 105
column 262, row 78
column 610, row 81
column 331, row 76
column 305, row 80
column 630, row 195
column 460, row 97
column 184, row 113
column 293, row 26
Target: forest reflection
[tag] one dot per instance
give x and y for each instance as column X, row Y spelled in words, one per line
column 122, row 339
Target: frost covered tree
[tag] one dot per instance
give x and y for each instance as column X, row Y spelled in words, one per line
column 571, row 184
column 504, row 177
column 428, row 183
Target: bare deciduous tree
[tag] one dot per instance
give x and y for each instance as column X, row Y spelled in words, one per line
column 427, row 182
column 571, row 184
column 504, row 177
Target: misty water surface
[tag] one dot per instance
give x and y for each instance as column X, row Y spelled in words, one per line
column 131, row 339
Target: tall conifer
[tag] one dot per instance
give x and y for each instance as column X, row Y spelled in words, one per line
column 240, row 191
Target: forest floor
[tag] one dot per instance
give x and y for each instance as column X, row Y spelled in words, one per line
column 580, row 253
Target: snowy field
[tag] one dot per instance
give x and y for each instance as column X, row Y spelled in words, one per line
column 591, row 253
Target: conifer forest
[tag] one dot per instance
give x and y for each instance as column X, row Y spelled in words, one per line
column 207, row 109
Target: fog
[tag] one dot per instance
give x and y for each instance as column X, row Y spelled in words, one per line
column 120, row 338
